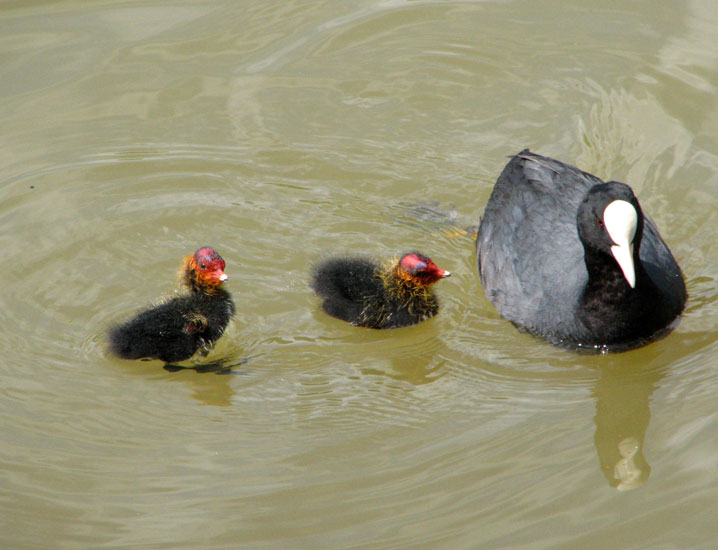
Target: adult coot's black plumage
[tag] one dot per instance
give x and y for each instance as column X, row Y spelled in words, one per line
column 573, row 259
column 365, row 294
column 177, row 328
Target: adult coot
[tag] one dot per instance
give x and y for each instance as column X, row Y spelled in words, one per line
column 366, row 294
column 570, row 258
column 177, row 328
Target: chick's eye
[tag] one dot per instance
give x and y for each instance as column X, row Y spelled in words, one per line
column 203, row 265
column 599, row 222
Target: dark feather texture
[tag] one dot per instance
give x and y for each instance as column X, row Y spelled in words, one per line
column 179, row 327
column 369, row 295
column 544, row 278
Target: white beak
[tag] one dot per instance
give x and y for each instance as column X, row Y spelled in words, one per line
column 621, row 220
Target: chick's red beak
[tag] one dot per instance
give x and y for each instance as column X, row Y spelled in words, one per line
column 219, row 276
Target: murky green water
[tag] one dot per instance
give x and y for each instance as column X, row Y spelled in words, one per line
column 132, row 133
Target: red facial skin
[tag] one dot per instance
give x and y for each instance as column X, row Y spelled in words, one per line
column 420, row 269
column 204, row 270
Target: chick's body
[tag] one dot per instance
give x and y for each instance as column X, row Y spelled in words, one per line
column 177, row 328
column 366, row 294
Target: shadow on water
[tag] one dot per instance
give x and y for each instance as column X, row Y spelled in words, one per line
column 217, row 367
column 215, row 391
column 408, row 354
column 623, row 395
column 622, row 416
column 413, row 366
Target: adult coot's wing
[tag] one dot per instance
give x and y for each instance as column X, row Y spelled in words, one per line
column 661, row 266
column 530, row 258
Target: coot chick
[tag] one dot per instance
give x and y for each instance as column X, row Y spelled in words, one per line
column 365, row 294
column 177, row 328
column 574, row 260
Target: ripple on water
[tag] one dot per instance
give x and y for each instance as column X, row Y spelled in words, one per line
column 313, row 128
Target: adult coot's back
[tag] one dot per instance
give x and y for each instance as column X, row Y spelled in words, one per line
column 573, row 259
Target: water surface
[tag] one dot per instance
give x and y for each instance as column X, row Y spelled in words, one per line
column 132, row 133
